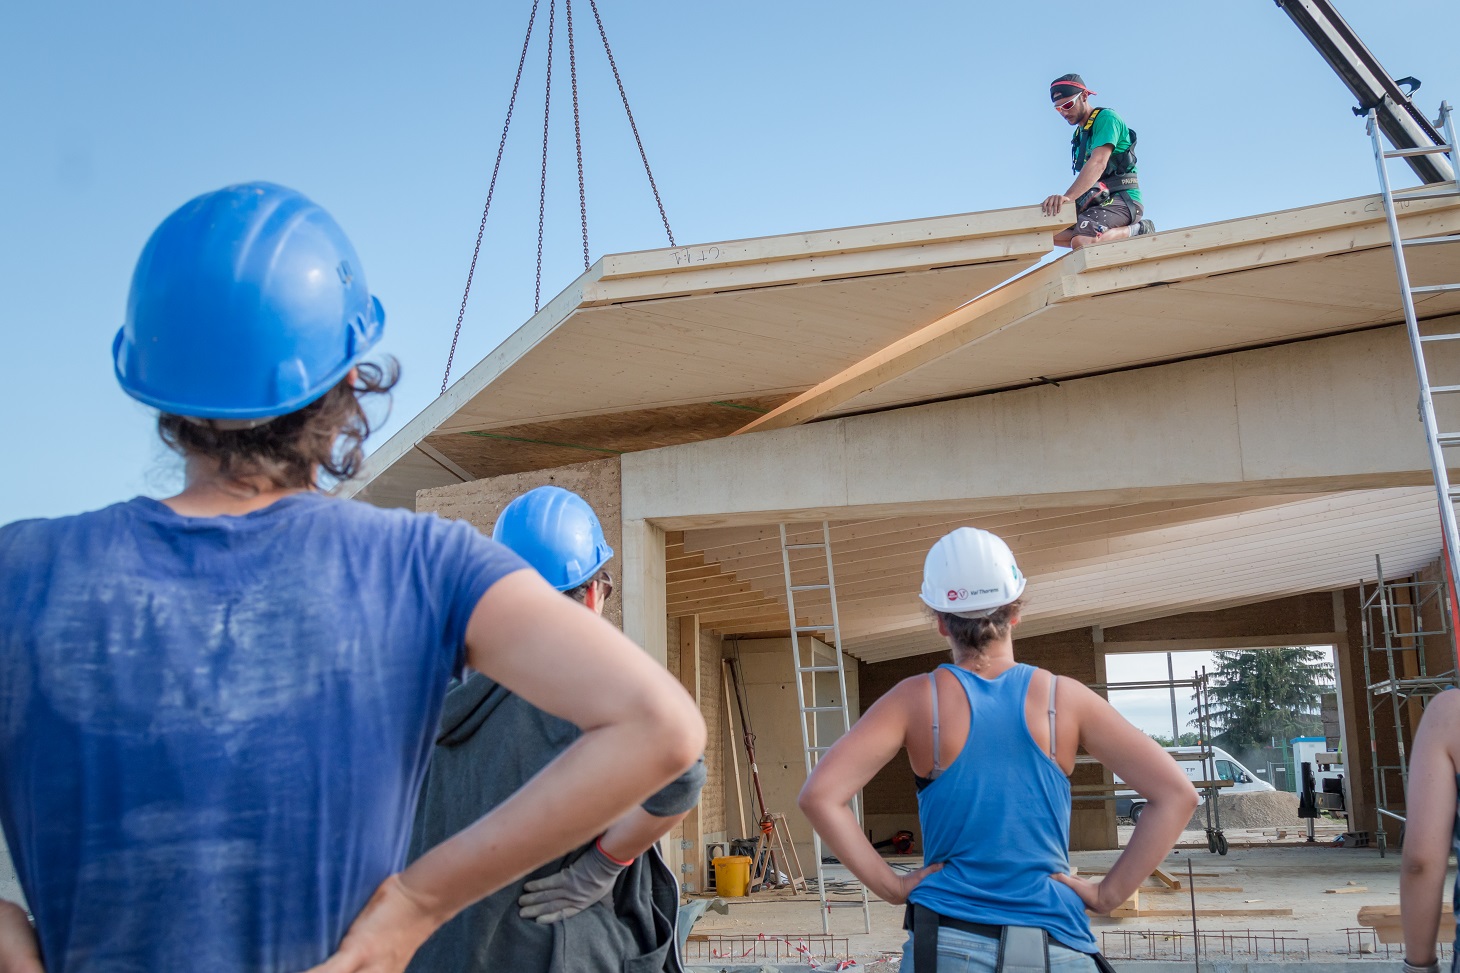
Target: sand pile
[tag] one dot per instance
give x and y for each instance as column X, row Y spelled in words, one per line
column 1258, row 809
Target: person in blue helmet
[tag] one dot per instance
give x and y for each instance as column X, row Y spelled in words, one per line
column 607, row 906
column 216, row 709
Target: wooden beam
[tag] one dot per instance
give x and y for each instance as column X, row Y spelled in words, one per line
column 444, row 461
column 1254, row 641
column 996, row 310
column 732, row 746
column 692, row 874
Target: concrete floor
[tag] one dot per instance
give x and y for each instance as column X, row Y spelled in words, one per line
column 1271, row 873
column 1276, row 875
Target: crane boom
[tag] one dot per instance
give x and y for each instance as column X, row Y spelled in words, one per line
column 1402, row 124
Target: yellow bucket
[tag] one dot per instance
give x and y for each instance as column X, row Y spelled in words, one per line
column 732, row 875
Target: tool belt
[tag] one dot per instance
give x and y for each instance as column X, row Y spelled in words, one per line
column 1022, row 949
column 1096, row 195
column 1105, row 190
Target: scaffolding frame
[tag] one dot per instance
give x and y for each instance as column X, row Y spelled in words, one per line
column 1392, row 618
column 1211, row 787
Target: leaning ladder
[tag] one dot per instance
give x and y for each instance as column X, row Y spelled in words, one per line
column 807, row 668
column 1437, row 440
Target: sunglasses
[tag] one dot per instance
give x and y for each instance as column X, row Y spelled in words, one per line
column 1067, row 105
column 606, row 582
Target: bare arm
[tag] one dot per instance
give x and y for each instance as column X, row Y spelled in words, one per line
column 19, row 950
column 564, row 659
column 845, row 769
column 1430, row 821
column 1088, row 176
column 1137, row 760
column 635, row 833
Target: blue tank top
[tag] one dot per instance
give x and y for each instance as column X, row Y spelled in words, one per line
column 999, row 820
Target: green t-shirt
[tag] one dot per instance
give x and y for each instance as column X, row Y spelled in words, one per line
column 1110, row 129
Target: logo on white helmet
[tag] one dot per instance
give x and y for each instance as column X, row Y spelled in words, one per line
column 963, row 594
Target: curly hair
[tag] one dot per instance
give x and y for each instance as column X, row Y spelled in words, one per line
column 327, row 435
column 972, row 635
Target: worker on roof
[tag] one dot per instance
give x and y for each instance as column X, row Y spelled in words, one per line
column 216, row 709
column 992, row 744
column 1106, row 194
column 1431, row 832
column 609, row 905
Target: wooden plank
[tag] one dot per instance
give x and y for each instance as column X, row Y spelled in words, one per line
column 692, row 876
column 796, row 246
column 701, row 272
column 987, row 314
column 732, row 744
column 1178, row 913
column 1272, row 238
column 1228, row 642
column 1156, row 873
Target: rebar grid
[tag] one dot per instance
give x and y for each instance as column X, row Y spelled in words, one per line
column 1363, row 943
column 1141, row 944
column 807, row 948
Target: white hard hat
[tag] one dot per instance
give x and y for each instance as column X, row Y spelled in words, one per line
column 970, row 573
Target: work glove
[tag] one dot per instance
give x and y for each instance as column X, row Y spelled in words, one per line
column 571, row 890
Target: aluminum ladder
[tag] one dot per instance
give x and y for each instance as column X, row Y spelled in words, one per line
column 1438, row 441
column 807, row 668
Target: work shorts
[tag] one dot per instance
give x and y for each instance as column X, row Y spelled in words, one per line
column 1095, row 220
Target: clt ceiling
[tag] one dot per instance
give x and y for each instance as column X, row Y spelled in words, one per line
column 1104, row 566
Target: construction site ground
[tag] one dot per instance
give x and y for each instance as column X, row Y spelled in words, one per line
column 1272, row 873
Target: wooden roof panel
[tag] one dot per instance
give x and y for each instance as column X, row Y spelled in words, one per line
column 690, row 325
column 1166, row 322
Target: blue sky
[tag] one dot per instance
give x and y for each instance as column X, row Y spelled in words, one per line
column 758, row 117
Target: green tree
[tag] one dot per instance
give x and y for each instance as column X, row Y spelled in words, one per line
column 1188, row 739
column 1261, row 694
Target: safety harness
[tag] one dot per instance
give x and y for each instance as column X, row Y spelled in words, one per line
column 1120, row 170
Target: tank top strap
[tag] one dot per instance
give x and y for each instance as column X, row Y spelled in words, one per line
column 933, row 684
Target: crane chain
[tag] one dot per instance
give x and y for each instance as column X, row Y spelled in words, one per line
column 491, row 188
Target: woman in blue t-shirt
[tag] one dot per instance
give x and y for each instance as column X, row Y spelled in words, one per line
column 1431, row 832
column 992, row 744
column 216, row 709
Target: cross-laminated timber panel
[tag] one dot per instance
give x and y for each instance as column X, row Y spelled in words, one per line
column 694, row 325
column 1192, row 558
column 1264, row 279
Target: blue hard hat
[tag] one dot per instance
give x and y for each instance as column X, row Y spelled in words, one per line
column 246, row 303
column 556, row 532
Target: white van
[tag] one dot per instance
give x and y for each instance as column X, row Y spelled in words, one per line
column 1129, row 804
